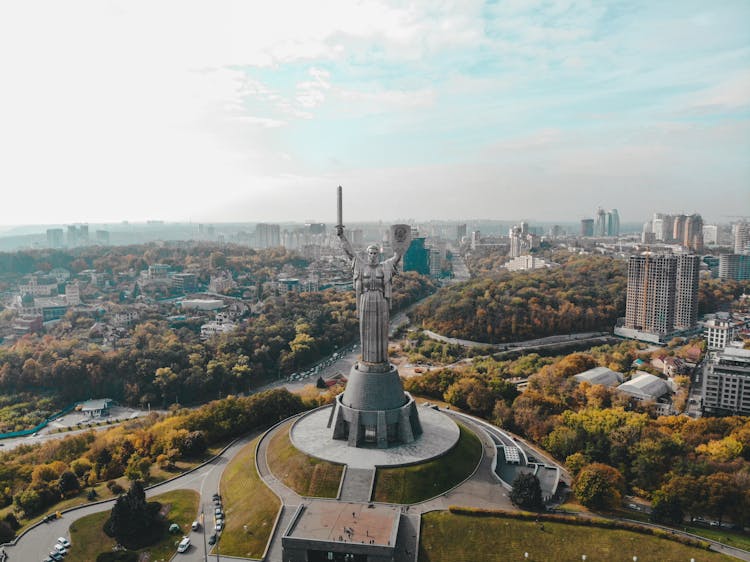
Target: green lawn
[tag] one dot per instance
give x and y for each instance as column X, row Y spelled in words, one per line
column 411, row 484
column 305, row 475
column 248, row 503
column 462, row 538
column 89, row 540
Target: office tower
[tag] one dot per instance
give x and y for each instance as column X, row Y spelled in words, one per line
column 741, row 238
column 587, row 227
column 734, row 266
column 267, row 235
column 600, row 225
column 54, row 237
column 612, row 221
column 662, row 293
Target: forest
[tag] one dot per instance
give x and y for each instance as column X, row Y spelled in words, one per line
column 586, row 293
column 687, row 467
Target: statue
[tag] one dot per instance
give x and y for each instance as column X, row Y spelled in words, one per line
column 373, row 285
column 374, row 407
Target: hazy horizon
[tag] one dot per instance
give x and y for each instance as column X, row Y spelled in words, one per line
column 227, row 112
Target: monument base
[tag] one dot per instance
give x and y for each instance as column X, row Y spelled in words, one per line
column 374, row 409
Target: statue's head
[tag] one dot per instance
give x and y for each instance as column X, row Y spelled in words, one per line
column 373, row 254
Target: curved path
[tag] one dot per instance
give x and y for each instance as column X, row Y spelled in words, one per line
column 35, row 543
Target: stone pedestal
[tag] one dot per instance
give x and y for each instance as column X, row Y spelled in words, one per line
column 374, row 409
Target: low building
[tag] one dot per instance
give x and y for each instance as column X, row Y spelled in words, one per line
column 600, row 375
column 202, row 304
column 214, row 328
column 726, row 382
column 27, row 324
column 95, row 408
column 645, row 387
column 185, row 282
column 528, row 262
column 358, row 532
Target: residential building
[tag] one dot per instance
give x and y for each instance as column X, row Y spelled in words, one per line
column 54, row 237
column 734, row 266
column 662, row 296
column 710, row 234
column 73, row 293
column 587, row 227
column 185, row 282
column 267, row 235
column 221, row 282
column 527, row 262
column 726, row 382
column 214, row 328
column 39, row 286
column 720, row 332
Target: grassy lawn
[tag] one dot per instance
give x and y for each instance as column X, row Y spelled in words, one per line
column 89, row 540
column 731, row 538
column 411, row 484
column 461, row 538
column 305, row 475
column 248, row 503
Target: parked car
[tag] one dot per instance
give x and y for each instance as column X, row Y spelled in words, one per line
column 184, row 544
column 63, row 541
column 219, row 525
column 56, row 556
column 61, row 549
column 195, row 526
column 212, row 539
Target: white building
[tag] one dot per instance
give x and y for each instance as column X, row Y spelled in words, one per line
column 44, row 287
column 215, row 328
column 721, row 332
column 527, row 262
column 202, row 304
column 645, row 387
column 600, row 375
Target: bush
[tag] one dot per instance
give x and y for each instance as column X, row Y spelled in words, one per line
column 115, row 488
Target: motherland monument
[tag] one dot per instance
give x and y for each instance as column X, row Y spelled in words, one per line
column 374, row 409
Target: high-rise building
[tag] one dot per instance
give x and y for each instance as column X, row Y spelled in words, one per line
column 587, row 227
column 726, row 382
column 267, row 235
column 686, row 292
column 734, row 266
column 417, row 257
column 662, row 294
column 460, row 232
column 710, row 234
column 741, row 238
column 600, row 225
column 102, row 237
column 54, row 237
column 613, row 223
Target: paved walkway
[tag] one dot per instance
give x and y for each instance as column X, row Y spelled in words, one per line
column 357, row 485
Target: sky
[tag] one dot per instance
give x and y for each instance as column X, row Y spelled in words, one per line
column 223, row 111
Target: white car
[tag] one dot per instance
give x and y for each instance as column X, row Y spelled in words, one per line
column 61, row 549
column 63, row 541
column 219, row 525
column 184, row 544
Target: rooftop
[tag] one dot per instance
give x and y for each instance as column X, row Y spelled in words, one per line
column 600, row 375
column 345, row 522
column 645, row 385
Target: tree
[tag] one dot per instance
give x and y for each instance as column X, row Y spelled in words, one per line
column 527, row 492
column 599, row 486
column 133, row 522
column 68, row 482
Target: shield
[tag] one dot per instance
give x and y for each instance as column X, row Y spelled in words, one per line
column 400, row 237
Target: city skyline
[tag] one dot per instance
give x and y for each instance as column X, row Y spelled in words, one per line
column 201, row 112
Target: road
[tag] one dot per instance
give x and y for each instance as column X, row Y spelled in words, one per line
column 37, row 542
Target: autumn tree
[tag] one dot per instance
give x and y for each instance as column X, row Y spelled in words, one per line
column 599, row 486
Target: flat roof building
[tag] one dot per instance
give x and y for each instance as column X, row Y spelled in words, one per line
column 726, row 382
column 353, row 532
column 645, row 386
